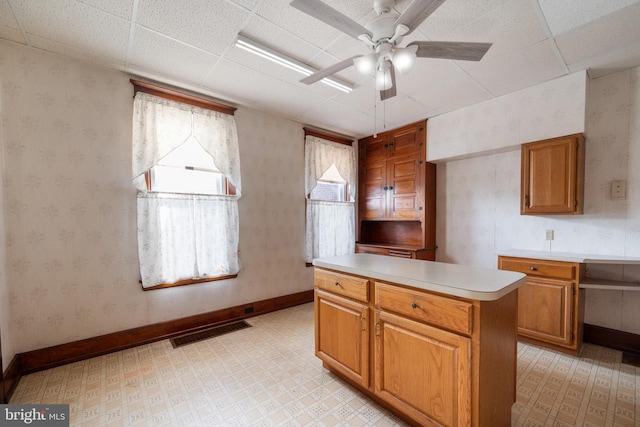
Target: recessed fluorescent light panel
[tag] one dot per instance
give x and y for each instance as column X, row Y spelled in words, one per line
column 279, row 58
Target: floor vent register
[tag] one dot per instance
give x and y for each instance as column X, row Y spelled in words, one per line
column 216, row 331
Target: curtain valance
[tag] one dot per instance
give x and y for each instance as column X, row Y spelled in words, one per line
column 160, row 125
column 320, row 154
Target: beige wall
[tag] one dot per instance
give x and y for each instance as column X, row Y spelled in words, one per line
column 71, row 221
column 479, row 203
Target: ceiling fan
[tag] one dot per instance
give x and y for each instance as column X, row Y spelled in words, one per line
column 383, row 36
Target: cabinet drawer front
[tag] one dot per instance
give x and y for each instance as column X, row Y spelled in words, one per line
column 342, row 284
column 534, row 267
column 427, row 308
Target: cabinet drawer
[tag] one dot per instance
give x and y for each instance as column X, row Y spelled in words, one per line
column 400, row 253
column 427, row 308
column 342, row 284
column 535, row 267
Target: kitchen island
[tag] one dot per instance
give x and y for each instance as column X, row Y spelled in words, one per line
column 433, row 342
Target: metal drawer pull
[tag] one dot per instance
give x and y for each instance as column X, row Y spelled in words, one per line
column 337, row 283
column 534, row 268
column 414, row 305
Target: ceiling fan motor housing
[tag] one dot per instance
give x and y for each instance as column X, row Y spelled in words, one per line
column 382, row 27
column 383, row 6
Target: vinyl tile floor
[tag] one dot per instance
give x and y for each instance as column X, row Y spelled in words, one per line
column 267, row 375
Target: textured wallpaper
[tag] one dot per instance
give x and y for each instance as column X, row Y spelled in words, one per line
column 479, row 202
column 72, row 267
column 550, row 109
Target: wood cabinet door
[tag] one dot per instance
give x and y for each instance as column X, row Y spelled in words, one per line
column 545, row 310
column 373, row 190
column 342, row 336
column 373, row 149
column 405, row 187
column 423, row 371
column 552, row 176
column 406, row 140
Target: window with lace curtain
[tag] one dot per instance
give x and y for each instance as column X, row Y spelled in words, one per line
column 330, row 171
column 186, row 168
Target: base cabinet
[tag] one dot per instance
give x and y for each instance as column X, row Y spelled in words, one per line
column 342, row 338
column 432, row 359
column 423, row 371
column 550, row 303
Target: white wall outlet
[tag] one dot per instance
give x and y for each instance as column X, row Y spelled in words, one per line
column 549, row 235
column 618, row 189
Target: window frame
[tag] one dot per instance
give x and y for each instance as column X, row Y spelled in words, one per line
column 190, row 99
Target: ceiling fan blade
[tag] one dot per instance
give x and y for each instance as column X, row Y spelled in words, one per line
column 330, row 16
column 417, row 12
column 467, row 51
column 326, row 72
column 391, row 92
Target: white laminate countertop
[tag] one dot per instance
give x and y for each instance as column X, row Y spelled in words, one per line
column 570, row 257
column 475, row 283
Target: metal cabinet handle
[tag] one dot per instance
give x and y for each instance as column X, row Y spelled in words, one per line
column 337, row 283
column 534, row 268
column 362, row 319
column 414, row 305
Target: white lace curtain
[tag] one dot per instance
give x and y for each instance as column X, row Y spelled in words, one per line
column 320, row 154
column 184, row 236
column 330, row 226
column 160, row 125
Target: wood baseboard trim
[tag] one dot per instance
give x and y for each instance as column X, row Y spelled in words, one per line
column 12, row 376
column 50, row 357
column 612, row 338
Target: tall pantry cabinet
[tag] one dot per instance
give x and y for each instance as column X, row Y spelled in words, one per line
column 396, row 194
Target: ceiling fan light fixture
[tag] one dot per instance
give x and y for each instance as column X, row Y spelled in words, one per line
column 366, row 64
column 383, row 76
column 404, row 59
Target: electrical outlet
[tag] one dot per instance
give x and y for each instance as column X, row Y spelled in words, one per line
column 549, row 235
column 618, row 189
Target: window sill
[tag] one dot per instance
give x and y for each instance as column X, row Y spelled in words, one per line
column 188, row 282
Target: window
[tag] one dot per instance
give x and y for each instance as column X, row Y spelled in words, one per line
column 330, row 170
column 330, row 187
column 187, row 170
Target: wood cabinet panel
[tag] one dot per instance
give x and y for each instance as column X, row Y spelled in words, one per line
column 342, row 284
column 423, row 371
column 341, row 335
column 433, row 309
column 553, row 176
column 546, row 310
column 535, row 267
column 550, row 303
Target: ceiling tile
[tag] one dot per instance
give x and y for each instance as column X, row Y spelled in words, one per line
column 615, row 31
column 151, row 51
column 563, row 16
column 333, row 116
column 76, row 25
column 12, row 34
column 515, row 26
column 121, row 8
column 453, row 15
column 6, row 16
column 455, row 92
column 208, row 26
column 525, row 68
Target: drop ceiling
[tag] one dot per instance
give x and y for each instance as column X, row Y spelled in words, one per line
column 190, row 44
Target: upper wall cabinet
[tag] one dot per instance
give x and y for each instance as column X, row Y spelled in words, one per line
column 553, row 176
column 396, row 194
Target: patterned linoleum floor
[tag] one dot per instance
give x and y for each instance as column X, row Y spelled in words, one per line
column 267, row 375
